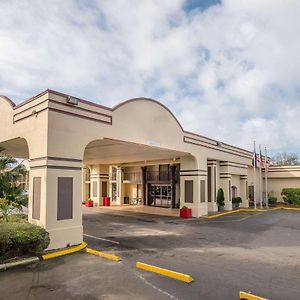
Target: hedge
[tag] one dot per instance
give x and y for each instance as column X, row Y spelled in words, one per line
column 21, row 239
column 291, row 195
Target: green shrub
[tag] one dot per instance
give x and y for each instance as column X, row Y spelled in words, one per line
column 291, row 195
column 22, row 239
column 15, row 218
column 220, row 198
column 272, row 200
column 236, row 200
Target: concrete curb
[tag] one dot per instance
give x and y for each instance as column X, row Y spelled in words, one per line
column 103, row 254
column 65, row 252
column 165, row 272
column 22, row 262
column 249, row 296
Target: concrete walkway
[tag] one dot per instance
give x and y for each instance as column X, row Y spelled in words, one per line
column 173, row 212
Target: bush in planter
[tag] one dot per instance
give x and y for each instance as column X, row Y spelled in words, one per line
column 291, row 195
column 220, row 198
column 236, row 202
column 272, row 200
column 22, row 239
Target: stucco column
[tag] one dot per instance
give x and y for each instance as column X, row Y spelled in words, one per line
column 120, row 191
column 193, row 187
column 55, row 196
column 225, row 184
column 212, row 185
column 95, row 185
column 243, row 191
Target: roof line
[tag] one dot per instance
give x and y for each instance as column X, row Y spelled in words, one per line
column 115, row 108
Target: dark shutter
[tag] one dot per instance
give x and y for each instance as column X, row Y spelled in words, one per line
column 36, row 199
column 202, row 188
column 215, row 183
column 65, row 198
column 229, row 186
column 95, row 188
column 189, row 191
column 209, row 177
column 104, row 188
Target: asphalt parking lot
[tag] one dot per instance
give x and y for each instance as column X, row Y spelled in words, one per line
column 256, row 252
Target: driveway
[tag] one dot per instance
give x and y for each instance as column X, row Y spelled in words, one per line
column 257, row 252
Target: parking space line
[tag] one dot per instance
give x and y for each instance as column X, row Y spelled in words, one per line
column 249, row 296
column 101, row 239
column 165, row 272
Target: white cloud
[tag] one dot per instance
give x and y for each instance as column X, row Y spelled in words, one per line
column 230, row 72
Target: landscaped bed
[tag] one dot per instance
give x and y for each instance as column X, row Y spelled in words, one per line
column 19, row 239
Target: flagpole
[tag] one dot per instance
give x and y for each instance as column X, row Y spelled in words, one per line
column 260, row 178
column 266, row 176
column 254, row 175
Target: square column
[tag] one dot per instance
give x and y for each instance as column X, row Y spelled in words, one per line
column 99, row 178
column 225, row 184
column 55, row 196
column 120, row 191
column 212, row 185
column 243, row 191
column 193, row 187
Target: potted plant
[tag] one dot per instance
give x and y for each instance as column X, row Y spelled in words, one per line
column 89, row 203
column 236, row 202
column 185, row 212
column 220, row 199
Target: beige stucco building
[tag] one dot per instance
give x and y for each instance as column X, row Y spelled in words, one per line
column 135, row 153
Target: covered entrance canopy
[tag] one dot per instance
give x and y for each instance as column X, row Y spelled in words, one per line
column 17, row 148
column 132, row 173
column 112, row 151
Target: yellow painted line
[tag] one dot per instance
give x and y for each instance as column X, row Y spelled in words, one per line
column 249, row 296
column 222, row 214
column 246, row 210
column 65, row 252
column 291, row 208
column 103, row 254
column 165, row 272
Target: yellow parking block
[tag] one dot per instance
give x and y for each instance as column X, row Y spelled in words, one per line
column 65, row 251
column 249, row 296
column 165, row 272
column 103, row 254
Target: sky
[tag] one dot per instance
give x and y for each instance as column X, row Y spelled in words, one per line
column 229, row 69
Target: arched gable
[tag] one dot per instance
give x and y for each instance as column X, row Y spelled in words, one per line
column 146, row 121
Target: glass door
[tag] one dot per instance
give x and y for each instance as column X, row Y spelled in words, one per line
column 160, row 195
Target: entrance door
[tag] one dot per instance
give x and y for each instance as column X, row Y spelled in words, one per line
column 160, row 195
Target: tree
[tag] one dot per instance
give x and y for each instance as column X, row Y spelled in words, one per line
column 220, row 198
column 12, row 194
column 284, row 158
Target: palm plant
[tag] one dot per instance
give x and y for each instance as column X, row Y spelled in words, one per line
column 5, row 209
column 12, row 194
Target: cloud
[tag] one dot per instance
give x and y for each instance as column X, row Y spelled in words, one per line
column 230, row 71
